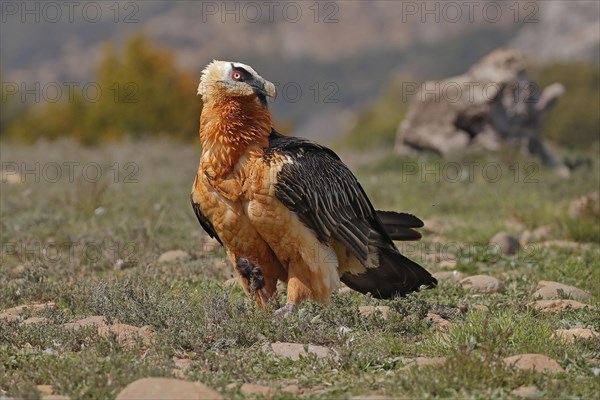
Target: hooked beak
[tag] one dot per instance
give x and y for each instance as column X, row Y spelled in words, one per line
column 269, row 90
column 264, row 88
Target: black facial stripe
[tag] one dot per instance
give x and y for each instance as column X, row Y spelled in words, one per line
column 246, row 76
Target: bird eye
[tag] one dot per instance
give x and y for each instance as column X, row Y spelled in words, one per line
column 236, row 76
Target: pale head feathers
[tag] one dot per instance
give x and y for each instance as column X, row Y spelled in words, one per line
column 233, row 79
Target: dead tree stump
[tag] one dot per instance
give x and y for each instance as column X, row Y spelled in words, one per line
column 493, row 104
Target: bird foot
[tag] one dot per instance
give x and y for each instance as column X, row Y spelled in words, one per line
column 286, row 310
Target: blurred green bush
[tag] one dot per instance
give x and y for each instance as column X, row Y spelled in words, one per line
column 378, row 122
column 575, row 120
column 143, row 94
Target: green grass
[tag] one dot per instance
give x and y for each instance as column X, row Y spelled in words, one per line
column 194, row 316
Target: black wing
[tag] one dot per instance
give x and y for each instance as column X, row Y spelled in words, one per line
column 206, row 224
column 328, row 199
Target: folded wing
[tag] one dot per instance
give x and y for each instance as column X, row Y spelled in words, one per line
column 328, row 199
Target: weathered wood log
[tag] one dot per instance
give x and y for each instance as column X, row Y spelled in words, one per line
column 494, row 103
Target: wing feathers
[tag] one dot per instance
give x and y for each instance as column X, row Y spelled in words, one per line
column 204, row 222
column 399, row 225
column 324, row 194
column 328, row 199
column 395, row 276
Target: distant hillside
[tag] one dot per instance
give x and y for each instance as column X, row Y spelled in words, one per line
column 567, row 30
column 327, row 59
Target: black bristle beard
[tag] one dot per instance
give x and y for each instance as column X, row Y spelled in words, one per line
column 261, row 97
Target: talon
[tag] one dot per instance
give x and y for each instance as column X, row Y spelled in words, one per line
column 254, row 279
column 263, row 297
column 286, row 310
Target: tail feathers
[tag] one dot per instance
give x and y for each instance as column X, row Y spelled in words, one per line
column 399, row 225
column 395, row 276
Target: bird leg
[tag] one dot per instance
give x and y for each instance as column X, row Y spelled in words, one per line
column 298, row 288
column 254, row 279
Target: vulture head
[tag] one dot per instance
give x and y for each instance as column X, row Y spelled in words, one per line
column 233, row 79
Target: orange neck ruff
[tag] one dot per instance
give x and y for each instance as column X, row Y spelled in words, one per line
column 229, row 128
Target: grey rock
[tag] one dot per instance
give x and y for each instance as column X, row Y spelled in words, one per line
column 438, row 322
column 505, row 243
column 570, row 335
column 296, row 350
column 483, row 283
column 127, row 335
column 173, row 255
column 366, row 311
column 530, row 392
column 553, row 306
column 555, row 290
column 533, row 363
column 167, row 389
column 480, row 308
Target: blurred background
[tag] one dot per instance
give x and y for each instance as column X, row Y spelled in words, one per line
column 99, row 148
column 96, row 71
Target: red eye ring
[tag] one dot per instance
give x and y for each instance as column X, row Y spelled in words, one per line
column 236, row 76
